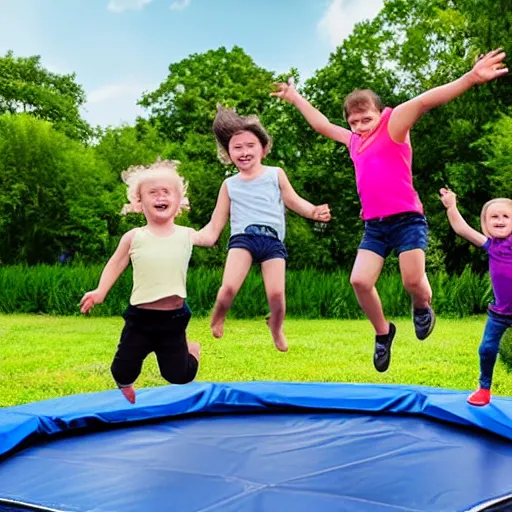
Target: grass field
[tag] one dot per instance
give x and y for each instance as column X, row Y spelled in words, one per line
column 45, row 356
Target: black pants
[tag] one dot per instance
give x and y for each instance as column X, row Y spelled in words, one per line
column 161, row 332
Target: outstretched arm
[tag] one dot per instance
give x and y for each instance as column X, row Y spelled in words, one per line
column 294, row 202
column 113, row 269
column 207, row 236
column 457, row 222
column 314, row 117
column 405, row 116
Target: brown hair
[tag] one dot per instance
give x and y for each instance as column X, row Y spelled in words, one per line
column 483, row 215
column 228, row 123
column 359, row 100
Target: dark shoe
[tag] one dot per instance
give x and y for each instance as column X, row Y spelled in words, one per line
column 382, row 354
column 424, row 321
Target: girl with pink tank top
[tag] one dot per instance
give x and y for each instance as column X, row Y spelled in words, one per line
column 379, row 146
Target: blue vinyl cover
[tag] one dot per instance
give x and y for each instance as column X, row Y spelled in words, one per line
column 330, row 447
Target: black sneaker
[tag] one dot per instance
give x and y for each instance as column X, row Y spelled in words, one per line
column 382, row 354
column 424, row 320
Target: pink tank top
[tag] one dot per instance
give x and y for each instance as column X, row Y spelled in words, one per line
column 384, row 173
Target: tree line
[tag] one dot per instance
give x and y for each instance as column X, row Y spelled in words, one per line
column 60, row 188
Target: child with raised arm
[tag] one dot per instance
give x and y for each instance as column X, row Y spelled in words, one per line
column 496, row 223
column 254, row 199
column 379, row 145
column 157, row 317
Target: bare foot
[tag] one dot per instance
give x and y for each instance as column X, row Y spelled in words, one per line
column 279, row 339
column 218, row 329
column 129, row 393
column 194, row 349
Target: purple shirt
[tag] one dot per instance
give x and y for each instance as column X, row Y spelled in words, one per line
column 500, row 268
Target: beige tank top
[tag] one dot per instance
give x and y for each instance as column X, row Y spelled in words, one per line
column 159, row 264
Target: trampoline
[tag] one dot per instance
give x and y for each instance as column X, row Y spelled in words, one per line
column 258, row 446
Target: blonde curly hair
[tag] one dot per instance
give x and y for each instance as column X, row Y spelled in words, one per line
column 136, row 175
column 483, row 215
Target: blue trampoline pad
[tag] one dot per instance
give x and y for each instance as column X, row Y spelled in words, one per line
column 259, row 457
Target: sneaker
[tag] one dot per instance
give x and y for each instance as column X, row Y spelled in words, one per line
column 128, row 393
column 382, row 354
column 424, row 320
column 480, row 397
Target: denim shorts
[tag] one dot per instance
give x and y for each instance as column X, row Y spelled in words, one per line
column 262, row 243
column 401, row 232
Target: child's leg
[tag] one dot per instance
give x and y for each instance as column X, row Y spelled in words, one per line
column 238, row 264
column 488, row 352
column 133, row 348
column 365, row 273
column 274, row 279
column 178, row 360
column 414, row 278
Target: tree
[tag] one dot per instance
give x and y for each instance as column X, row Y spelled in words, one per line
column 187, row 100
column 26, row 86
column 54, row 194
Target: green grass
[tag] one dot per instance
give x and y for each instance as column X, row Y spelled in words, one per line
column 46, row 356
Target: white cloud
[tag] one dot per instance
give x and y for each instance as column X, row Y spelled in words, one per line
column 116, row 103
column 341, row 15
column 126, row 5
column 179, row 5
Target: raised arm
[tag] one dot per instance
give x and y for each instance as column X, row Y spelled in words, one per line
column 208, row 236
column 294, row 202
column 113, row 269
column 457, row 222
column 405, row 116
column 314, row 117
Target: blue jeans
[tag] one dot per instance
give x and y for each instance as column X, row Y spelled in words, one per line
column 401, row 232
column 494, row 330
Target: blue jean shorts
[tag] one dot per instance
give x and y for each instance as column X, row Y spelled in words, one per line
column 401, row 232
column 262, row 243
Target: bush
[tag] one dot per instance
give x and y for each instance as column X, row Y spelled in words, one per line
column 506, row 349
column 57, row 290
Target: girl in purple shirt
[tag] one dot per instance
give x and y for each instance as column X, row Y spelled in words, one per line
column 496, row 221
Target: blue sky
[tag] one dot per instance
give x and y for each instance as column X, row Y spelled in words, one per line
column 121, row 48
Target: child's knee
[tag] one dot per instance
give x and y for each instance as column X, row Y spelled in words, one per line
column 413, row 282
column 360, row 283
column 276, row 298
column 182, row 374
column 227, row 292
column 488, row 351
column 124, row 374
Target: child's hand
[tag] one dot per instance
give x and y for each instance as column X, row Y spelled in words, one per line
column 90, row 299
column 286, row 92
column 489, row 67
column 448, row 198
column 321, row 213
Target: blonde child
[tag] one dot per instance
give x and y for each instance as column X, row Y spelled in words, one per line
column 254, row 200
column 379, row 145
column 157, row 316
column 496, row 223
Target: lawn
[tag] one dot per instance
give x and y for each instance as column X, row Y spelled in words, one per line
column 45, row 356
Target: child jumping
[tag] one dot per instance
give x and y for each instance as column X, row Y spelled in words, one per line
column 496, row 223
column 379, row 145
column 157, row 317
column 254, row 199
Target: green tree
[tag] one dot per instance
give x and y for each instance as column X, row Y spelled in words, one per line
column 26, row 86
column 55, row 194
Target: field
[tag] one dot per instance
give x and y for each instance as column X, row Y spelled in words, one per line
column 47, row 356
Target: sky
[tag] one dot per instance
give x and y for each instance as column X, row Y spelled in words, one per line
column 120, row 49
